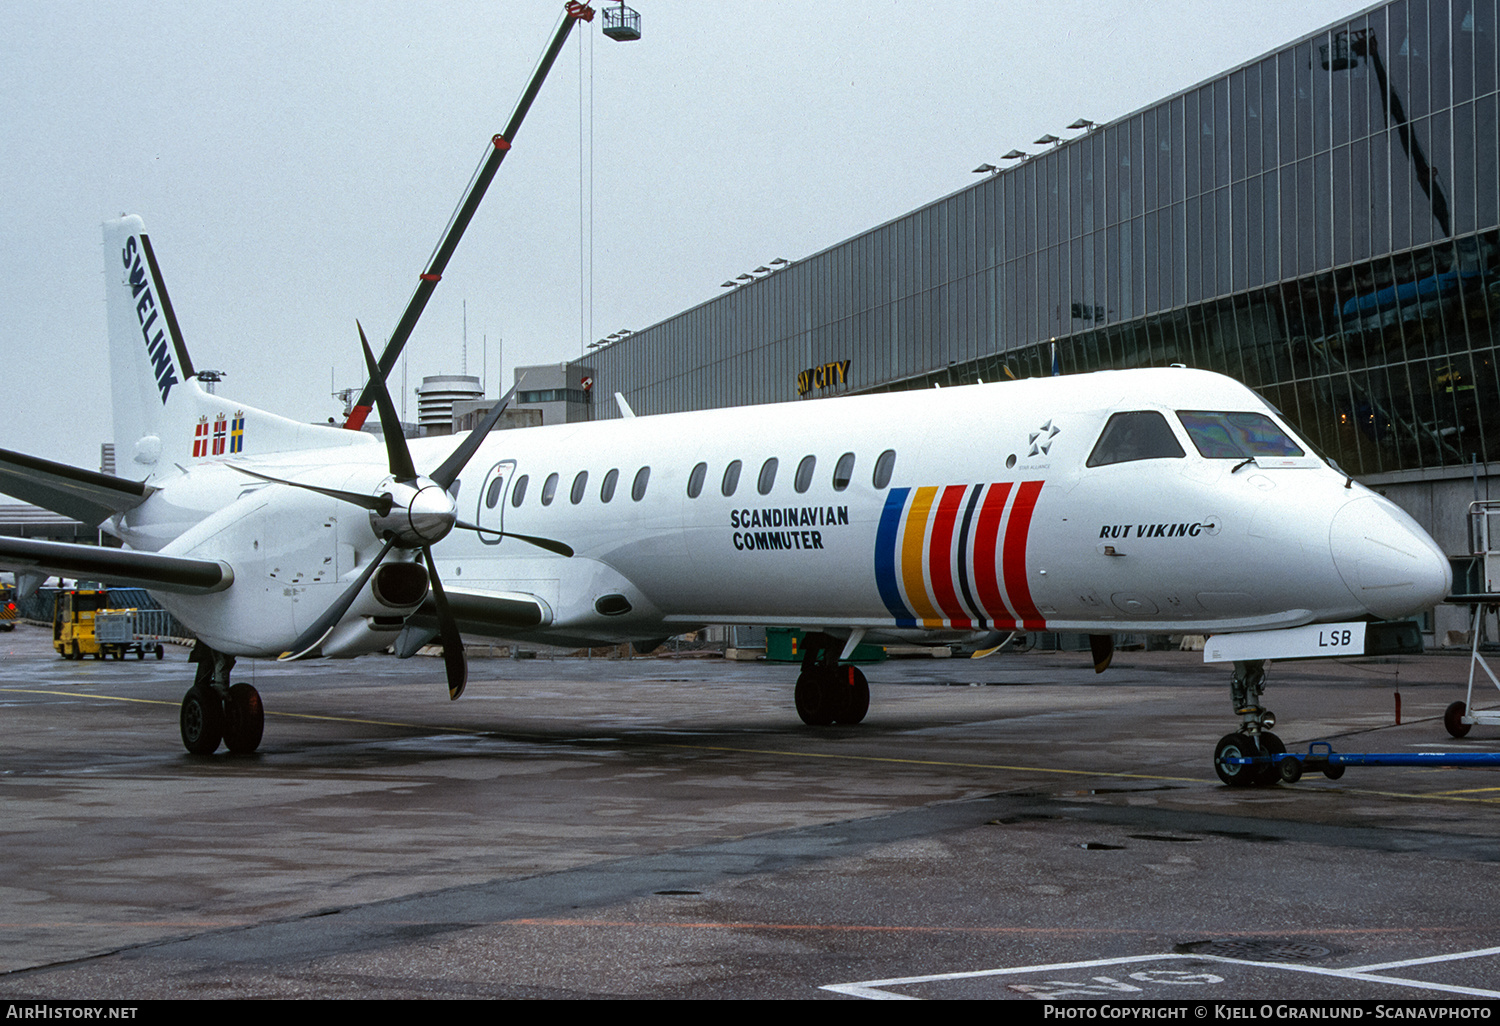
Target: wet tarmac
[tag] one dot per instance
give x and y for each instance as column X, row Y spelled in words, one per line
column 1013, row 827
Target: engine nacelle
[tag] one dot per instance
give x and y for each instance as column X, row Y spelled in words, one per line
column 379, row 612
column 294, row 553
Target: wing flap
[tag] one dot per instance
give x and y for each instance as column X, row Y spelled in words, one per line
column 123, row 567
column 82, row 494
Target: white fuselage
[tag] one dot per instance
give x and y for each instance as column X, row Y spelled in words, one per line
column 990, row 520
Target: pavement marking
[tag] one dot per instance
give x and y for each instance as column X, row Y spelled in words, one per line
column 1430, row 959
column 936, row 762
column 876, row 989
column 268, row 712
column 1456, row 796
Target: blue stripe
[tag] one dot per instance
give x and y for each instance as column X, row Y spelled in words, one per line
column 885, row 557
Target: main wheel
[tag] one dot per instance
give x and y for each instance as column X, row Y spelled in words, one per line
column 1237, row 745
column 201, row 720
column 1453, row 720
column 814, row 700
column 855, row 699
column 158, row 652
column 244, row 719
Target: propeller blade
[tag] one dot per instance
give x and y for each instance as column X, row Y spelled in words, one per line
column 542, row 543
column 446, row 474
column 380, row 504
column 390, row 424
column 453, row 645
column 311, row 637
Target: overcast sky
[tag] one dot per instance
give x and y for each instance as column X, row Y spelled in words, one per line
column 295, row 163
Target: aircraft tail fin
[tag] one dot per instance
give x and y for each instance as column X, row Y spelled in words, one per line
column 161, row 412
column 148, row 359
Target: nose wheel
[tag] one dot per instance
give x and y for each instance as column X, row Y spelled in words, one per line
column 1241, row 745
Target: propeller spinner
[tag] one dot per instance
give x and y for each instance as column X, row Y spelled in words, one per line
column 409, row 511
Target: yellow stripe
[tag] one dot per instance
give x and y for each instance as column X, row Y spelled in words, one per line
column 913, row 548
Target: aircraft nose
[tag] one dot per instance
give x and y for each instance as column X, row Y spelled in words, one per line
column 1387, row 561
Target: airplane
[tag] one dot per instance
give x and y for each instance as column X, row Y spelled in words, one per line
column 1158, row 500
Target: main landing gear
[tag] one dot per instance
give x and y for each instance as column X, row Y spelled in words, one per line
column 214, row 710
column 827, row 692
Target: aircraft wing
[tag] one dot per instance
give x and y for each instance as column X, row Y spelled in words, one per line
column 82, row 494
column 123, row 567
column 486, row 612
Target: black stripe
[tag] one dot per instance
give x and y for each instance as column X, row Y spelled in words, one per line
column 963, row 556
column 165, row 303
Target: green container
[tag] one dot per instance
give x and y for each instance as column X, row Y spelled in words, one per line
column 784, row 645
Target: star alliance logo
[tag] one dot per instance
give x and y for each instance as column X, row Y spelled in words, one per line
column 1041, row 440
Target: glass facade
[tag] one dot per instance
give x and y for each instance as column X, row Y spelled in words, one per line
column 1322, row 224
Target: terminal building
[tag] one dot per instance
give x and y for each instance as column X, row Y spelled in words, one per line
column 1322, row 224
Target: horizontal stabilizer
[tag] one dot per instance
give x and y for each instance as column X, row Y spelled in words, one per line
column 82, row 494
column 121, row 567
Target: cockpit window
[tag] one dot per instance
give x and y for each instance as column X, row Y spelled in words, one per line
column 1227, row 436
column 1139, row 435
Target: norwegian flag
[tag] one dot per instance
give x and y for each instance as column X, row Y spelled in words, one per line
column 221, row 429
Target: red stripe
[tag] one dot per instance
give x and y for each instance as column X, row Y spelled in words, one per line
column 940, row 556
column 986, row 565
column 1016, row 531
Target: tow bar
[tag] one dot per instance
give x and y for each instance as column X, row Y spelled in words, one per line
column 1321, row 756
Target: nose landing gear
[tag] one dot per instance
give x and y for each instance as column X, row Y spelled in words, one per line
column 1254, row 738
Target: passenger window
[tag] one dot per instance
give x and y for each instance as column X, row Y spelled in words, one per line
column 695, row 480
column 492, row 496
column 579, row 484
column 549, row 489
column 518, row 491
column 638, row 486
column 1139, row 435
column 767, row 476
column 731, row 478
column 1228, row 436
column 803, row 480
column 843, row 472
column 607, row 489
column 883, row 467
